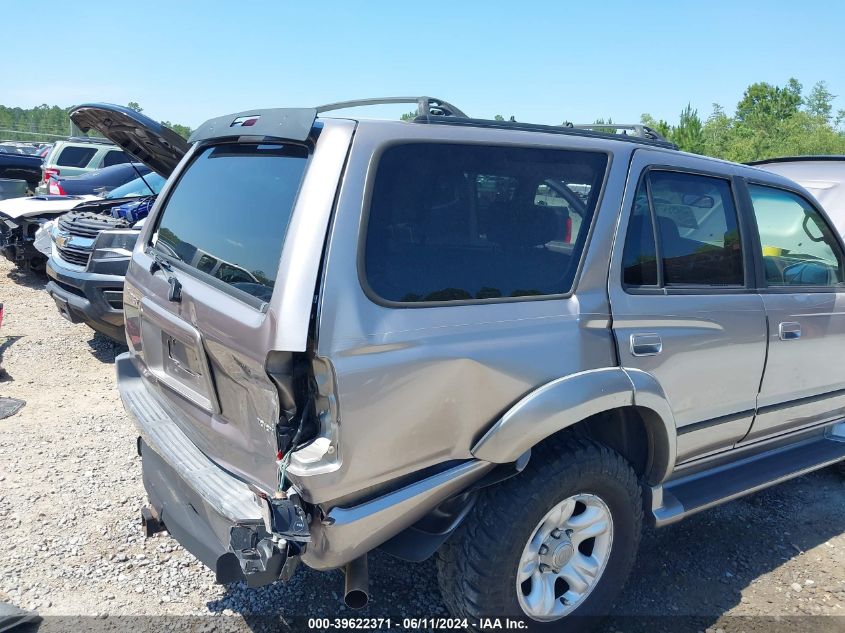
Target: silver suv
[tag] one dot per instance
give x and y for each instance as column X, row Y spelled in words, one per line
column 504, row 343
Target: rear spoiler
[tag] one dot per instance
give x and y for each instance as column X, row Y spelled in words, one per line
column 294, row 124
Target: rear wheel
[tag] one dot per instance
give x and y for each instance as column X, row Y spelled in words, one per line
column 550, row 545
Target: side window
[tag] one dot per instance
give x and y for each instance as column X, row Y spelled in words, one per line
column 639, row 258
column 451, row 222
column 698, row 242
column 75, row 156
column 799, row 248
column 115, row 157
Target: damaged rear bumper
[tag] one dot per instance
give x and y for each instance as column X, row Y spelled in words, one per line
column 212, row 514
column 206, row 509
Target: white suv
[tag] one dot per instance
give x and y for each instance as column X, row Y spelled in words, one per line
column 77, row 156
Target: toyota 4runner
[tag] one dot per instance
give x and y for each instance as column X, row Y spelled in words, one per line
column 505, row 343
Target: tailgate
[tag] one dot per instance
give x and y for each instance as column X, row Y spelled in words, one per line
column 223, row 274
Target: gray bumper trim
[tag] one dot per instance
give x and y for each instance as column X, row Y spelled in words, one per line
column 228, row 496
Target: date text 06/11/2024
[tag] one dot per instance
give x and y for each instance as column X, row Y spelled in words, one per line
column 424, row 623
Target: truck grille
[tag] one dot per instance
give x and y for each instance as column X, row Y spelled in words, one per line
column 89, row 224
column 85, row 225
column 77, row 256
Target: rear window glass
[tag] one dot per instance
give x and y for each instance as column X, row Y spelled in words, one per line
column 73, row 156
column 229, row 211
column 115, row 158
column 469, row 222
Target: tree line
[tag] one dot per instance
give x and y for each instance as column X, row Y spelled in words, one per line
column 45, row 122
column 768, row 121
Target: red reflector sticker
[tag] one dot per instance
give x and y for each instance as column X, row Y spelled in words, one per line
column 245, row 121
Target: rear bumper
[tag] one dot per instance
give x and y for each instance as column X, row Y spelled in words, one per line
column 89, row 298
column 203, row 502
column 198, row 502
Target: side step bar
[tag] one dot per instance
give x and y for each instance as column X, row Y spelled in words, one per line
column 688, row 495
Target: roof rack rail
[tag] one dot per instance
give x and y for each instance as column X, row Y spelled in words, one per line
column 636, row 129
column 426, row 106
column 657, row 140
column 88, row 139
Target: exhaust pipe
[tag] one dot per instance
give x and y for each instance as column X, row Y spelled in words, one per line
column 150, row 521
column 356, row 588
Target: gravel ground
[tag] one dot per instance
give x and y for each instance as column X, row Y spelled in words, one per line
column 71, row 492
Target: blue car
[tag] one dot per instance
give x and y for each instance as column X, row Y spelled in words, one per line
column 97, row 182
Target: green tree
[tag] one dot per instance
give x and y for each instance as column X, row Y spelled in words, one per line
column 762, row 102
column 688, row 135
column 134, row 105
column 661, row 127
column 182, row 130
column 408, row 116
column 498, row 117
column 820, row 101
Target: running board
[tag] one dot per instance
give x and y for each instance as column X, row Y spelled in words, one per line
column 687, row 495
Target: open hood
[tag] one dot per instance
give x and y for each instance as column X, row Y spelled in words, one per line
column 155, row 145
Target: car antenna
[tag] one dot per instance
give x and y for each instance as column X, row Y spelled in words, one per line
column 141, row 176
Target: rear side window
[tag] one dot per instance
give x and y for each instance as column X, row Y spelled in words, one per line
column 694, row 220
column 799, row 249
column 229, row 211
column 115, row 157
column 74, row 156
column 467, row 222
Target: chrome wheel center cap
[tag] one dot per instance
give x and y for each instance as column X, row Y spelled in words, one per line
column 555, row 552
column 562, row 554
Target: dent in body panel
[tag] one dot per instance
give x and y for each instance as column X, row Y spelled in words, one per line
column 419, row 386
column 423, row 397
column 552, row 407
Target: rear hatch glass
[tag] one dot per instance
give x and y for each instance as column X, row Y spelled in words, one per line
column 222, row 228
column 227, row 216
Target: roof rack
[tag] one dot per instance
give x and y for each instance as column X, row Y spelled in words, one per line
column 636, row 129
column 653, row 138
column 88, row 139
column 426, row 106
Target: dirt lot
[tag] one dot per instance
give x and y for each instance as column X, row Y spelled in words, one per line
column 70, row 495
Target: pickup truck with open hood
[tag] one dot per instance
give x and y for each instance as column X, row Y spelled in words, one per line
column 92, row 244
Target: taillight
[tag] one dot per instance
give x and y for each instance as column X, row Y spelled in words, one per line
column 49, row 172
column 56, row 188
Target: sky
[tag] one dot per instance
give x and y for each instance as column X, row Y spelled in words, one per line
column 543, row 62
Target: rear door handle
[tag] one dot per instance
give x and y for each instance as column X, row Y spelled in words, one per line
column 646, row 344
column 789, row 331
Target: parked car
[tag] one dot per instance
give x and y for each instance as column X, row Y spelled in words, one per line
column 18, row 167
column 77, row 156
column 89, row 253
column 424, row 364
column 97, row 182
column 823, row 176
column 21, row 219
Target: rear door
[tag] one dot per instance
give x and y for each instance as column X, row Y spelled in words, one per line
column 804, row 295
column 684, row 308
column 205, row 316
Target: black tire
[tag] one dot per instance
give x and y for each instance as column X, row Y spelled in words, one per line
column 477, row 566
